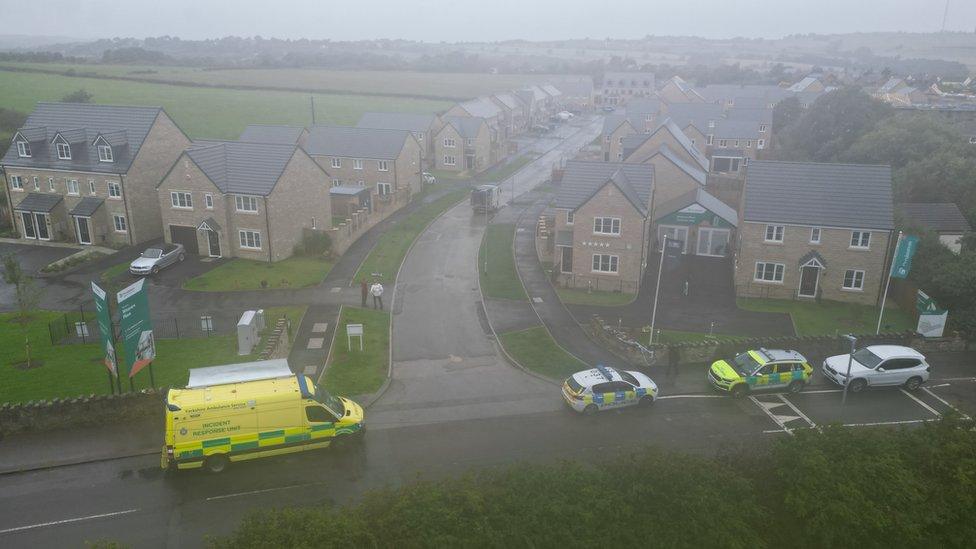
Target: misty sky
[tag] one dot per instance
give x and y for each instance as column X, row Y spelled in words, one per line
column 461, row 20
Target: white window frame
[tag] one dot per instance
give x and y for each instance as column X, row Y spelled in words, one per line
column 776, row 229
column 175, row 196
column 612, row 264
column 50, row 184
column 776, row 270
column 816, row 233
column 23, row 149
column 763, row 128
column 384, row 189
column 570, row 217
column 72, row 188
column 16, row 182
column 357, row 163
column 336, row 182
column 860, row 237
column 600, row 226
column 249, row 239
column 246, row 203
column 709, row 139
column 208, row 202
column 857, row 280
column 383, row 165
column 972, row 140
column 336, row 162
column 450, row 143
column 450, row 160
column 723, row 143
column 37, row 183
column 114, row 190
column 105, row 153
column 761, row 144
column 64, row 150
column 91, row 186
column 119, row 223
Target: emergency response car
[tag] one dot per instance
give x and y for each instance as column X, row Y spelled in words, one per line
column 759, row 370
column 604, row 388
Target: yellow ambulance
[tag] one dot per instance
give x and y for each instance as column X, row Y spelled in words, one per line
column 251, row 410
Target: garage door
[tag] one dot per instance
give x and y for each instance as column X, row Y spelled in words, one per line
column 187, row 236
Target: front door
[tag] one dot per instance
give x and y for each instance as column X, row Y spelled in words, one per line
column 83, row 230
column 566, row 265
column 468, row 162
column 809, row 277
column 28, row 219
column 40, row 223
column 213, row 239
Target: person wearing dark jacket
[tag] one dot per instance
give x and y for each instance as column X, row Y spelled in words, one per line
column 365, row 291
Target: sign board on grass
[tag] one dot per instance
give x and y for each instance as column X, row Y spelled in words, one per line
column 136, row 327
column 104, row 319
column 931, row 318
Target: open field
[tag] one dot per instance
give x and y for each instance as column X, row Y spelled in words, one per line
column 395, row 83
column 205, row 112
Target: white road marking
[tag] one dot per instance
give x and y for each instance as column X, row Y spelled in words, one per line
column 771, row 415
column 797, row 410
column 943, row 401
column 877, row 423
column 823, row 391
column 67, row 521
column 920, row 403
column 955, row 379
column 689, row 396
column 264, row 491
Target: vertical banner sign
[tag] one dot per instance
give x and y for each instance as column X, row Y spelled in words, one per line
column 137, row 335
column 902, row 262
column 104, row 319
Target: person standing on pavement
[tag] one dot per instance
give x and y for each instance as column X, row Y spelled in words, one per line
column 377, row 291
column 365, row 291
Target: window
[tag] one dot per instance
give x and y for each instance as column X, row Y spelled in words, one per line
column 17, row 182
column 247, row 204
column 748, row 143
column 37, row 183
column 774, row 233
column 336, row 182
column 50, row 184
column 181, row 199
column 815, row 235
column 606, row 225
column 357, row 164
column 469, row 142
column 206, row 323
column 723, row 143
column 361, row 183
column 860, row 239
column 23, row 149
column 607, row 139
column 761, row 144
column 709, row 139
column 711, row 124
column 250, row 239
column 384, row 189
column 115, row 190
column 449, row 142
column 620, row 141
column 420, row 136
column 383, row 165
column 119, row 221
column 769, row 272
column 449, row 160
column 64, row 151
column 73, row 186
column 336, row 162
column 604, row 263
column 105, row 154
column 972, row 140
column 853, row 279
column 208, row 201
column 569, row 217
column 763, row 128
column 318, row 414
column 81, row 329
column 725, row 164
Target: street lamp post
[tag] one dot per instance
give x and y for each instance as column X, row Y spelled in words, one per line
column 657, row 287
column 850, row 360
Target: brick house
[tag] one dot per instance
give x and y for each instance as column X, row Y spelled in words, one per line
column 388, row 162
column 942, row 219
column 602, row 225
column 741, row 134
column 463, row 144
column 638, row 148
column 556, row 98
column 87, row 173
column 677, row 90
column 271, row 133
column 617, row 88
column 695, row 120
column 812, row 230
column 248, row 200
column 422, row 126
column 515, row 119
column 616, row 127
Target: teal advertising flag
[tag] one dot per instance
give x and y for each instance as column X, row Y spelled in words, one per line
column 104, row 319
column 901, row 264
column 136, row 327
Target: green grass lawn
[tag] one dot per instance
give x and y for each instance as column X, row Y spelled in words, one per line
column 388, row 253
column 595, row 297
column 206, row 112
column 535, row 349
column 75, row 370
column 246, row 274
column 354, row 372
column 831, row 317
column 501, row 279
column 678, row 336
column 115, row 271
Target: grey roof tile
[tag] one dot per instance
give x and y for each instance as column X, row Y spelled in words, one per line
column 466, row 126
column 631, row 143
column 87, row 207
column 269, row 133
column 698, row 174
column 582, row 179
column 701, row 197
column 356, row 142
column 694, row 114
column 942, row 217
column 481, row 107
column 828, row 195
column 243, row 168
column 38, row 202
column 736, row 129
column 411, row 122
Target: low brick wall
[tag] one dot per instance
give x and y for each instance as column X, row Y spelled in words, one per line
column 63, row 413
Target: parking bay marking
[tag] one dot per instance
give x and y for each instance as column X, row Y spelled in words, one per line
column 920, row 403
column 264, row 491
column 66, row 521
column 943, row 401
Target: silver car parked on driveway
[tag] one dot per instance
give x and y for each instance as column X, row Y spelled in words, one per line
column 154, row 259
column 878, row 366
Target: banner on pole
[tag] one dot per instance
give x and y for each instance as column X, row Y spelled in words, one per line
column 136, row 327
column 901, row 264
column 104, row 319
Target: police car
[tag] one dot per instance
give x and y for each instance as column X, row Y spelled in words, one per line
column 760, row 369
column 603, row 388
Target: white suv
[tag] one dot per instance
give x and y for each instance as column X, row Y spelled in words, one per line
column 877, row 366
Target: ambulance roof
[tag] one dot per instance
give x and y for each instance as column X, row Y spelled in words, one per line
column 264, row 390
column 238, row 373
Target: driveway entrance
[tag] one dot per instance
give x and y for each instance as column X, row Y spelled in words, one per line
column 187, row 236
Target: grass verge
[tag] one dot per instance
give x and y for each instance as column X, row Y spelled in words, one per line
column 354, row 372
column 501, row 280
column 388, row 253
column 535, row 349
column 678, row 336
column 505, row 171
column 572, row 296
column 831, row 317
column 114, row 272
column 246, row 274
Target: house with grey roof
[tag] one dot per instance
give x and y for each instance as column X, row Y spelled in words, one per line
column 940, row 218
column 422, row 126
column 270, row 133
column 388, row 162
column 602, row 224
column 677, row 90
column 578, row 91
column 249, row 200
column 87, row 174
column 696, row 119
column 639, row 147
column 464, row 144
column 704, row 225
column 753, row 95
column 813, row 230
column 515, row 118
column 617, row 88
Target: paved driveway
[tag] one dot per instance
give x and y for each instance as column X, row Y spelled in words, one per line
column 32, row 259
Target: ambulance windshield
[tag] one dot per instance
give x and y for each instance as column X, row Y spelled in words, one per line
column 332, row 403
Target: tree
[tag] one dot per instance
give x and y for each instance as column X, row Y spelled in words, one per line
column 786, row 113
column 26, row 294
column 77, row 96
column 831, row 125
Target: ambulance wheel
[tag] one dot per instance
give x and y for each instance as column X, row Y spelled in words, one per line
column 216, row 463
column 589, row 410
column 795, row 387
column 740, row 390
column 646, row 402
